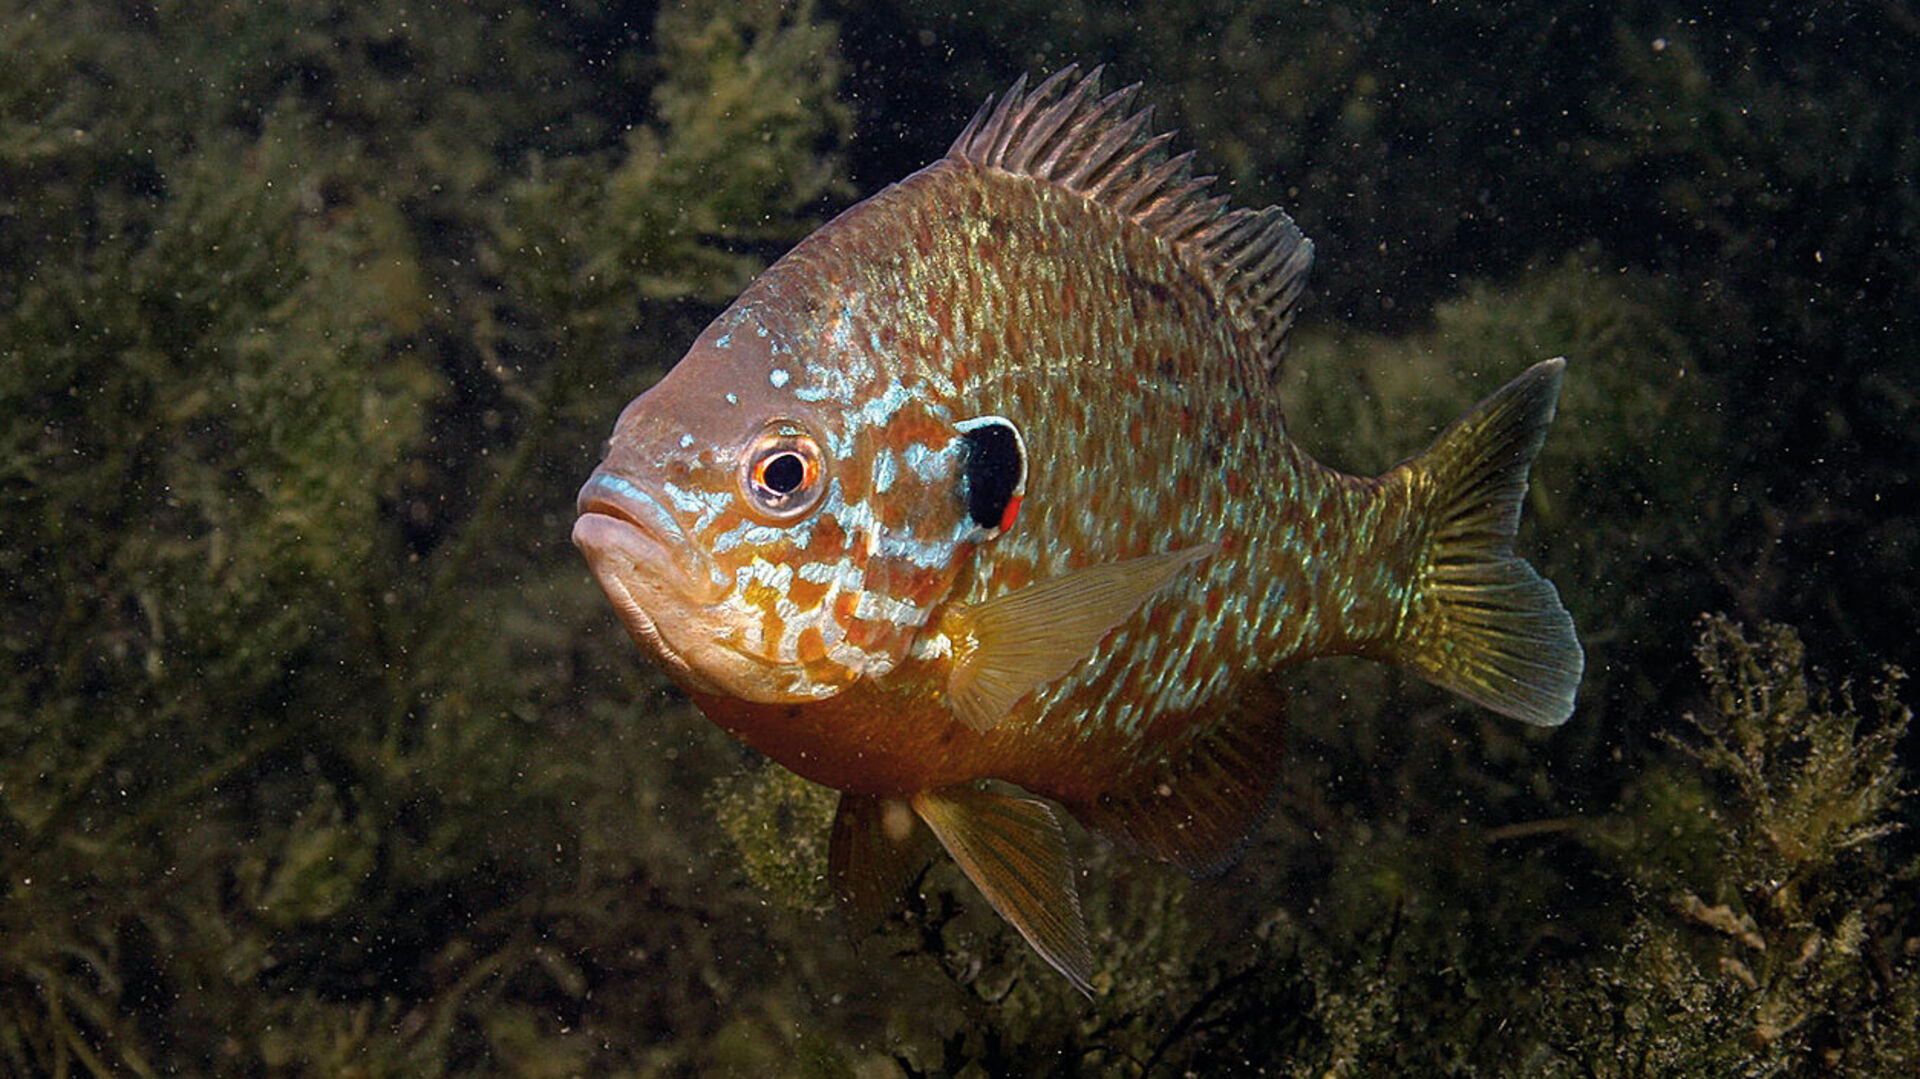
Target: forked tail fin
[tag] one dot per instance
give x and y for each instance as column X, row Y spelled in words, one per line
column 1482, row 622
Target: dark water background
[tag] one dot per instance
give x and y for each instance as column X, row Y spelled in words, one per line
column 320, row 752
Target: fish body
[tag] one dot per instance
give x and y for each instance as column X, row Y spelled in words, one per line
column 986, row 480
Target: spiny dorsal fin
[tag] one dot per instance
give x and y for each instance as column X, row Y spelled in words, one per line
column 1067, row 134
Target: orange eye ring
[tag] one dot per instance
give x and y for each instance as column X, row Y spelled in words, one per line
column 783, row 472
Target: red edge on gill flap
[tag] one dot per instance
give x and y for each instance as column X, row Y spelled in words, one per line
column 1007, row 515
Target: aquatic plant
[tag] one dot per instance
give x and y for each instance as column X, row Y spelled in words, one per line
column 1757, row 898
column 740, row 148
column 221, row 404
column 1780, row 939
column 273, row 676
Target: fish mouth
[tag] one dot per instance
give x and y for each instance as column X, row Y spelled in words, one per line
column 662, row 585
column 608, row 495
column 648, row 566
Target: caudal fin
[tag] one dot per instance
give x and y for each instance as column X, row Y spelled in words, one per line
column 1483, row 623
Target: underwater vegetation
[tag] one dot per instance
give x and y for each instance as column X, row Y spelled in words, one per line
column 1769, row 935
column 319, row 753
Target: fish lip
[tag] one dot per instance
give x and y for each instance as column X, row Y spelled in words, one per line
column 618, row 516
column 644, row 561
column 662, row 587
column 607, row 494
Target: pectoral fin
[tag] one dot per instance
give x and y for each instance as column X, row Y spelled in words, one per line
column 876, row 848
column 1010, row 645
column 1015, row 853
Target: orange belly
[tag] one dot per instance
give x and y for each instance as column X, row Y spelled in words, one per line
column 865, row 740
column 898, row 737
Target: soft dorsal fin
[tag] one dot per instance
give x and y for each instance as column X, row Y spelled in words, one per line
column 1066, row 133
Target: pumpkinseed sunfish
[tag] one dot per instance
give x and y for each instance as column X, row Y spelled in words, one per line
column 985, row 483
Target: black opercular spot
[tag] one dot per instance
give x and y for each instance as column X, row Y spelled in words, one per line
column 993, row 474
column 784, row 473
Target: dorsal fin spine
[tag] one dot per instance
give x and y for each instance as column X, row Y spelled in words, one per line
column 998, row 129
column 1009, row 129
column 974, row 124
column 1145, row 189
column 1105, row 166
column 1165, row 215
column 1190, row 220
column 1096, row 144
column 1066, row 134
column 1123, row 167
column 1046, row 126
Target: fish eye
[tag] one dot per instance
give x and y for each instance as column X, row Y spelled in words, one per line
column 782, row 472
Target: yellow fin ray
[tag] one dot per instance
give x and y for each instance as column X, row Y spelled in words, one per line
column 1486, row 625
column 1015, row 852
column 1012, row 644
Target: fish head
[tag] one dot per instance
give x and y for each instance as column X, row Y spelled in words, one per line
column 776, row 519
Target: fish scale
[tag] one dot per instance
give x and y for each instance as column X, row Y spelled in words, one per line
column 987, row 481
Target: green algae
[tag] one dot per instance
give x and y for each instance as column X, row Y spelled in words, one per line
column 778, row 824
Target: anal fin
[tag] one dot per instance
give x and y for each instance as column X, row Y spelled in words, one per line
column 1015, row 852
column 1196, row 797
